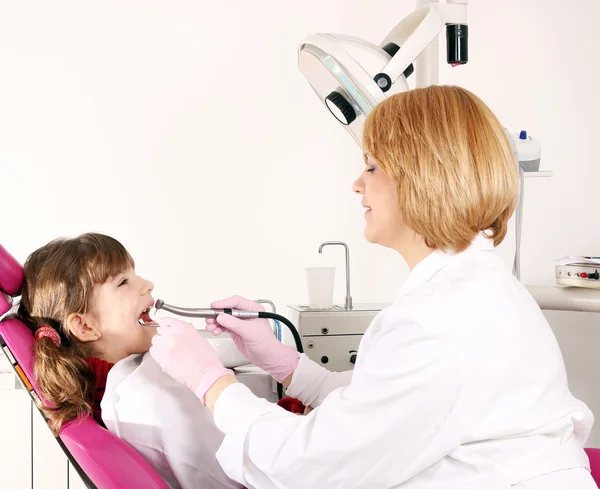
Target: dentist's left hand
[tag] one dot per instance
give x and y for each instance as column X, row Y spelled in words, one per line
column 185, row 355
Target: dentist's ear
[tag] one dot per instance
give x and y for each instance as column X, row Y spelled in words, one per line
column 79, row 326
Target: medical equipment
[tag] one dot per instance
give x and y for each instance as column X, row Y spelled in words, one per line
column 331, row 337
column 529, row 151
column 101, row 459
column 351, row 76
column 579, row 275
column 578, row 271
column 206, row 312
column 213, row 313
column 277, row 325
column 519, row 225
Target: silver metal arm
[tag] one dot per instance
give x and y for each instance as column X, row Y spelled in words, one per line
column 267, row 301
column 274, row 309
column 348, row 300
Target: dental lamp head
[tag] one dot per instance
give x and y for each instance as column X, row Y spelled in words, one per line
column 351, row 76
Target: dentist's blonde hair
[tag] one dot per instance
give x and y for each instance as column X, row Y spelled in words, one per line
column 452, row 163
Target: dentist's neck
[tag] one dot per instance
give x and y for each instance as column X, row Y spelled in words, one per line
column 413, row 251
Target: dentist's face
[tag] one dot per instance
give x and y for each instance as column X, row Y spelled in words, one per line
column 385, row 224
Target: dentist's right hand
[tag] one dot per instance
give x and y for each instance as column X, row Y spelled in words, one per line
column 254, row 338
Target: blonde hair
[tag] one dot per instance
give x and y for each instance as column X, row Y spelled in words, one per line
column 59, row 278
column 452, row 162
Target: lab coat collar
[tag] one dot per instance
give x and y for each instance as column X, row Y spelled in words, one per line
column 434, row 262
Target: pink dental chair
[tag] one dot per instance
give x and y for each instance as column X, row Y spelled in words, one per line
column 594, row 456
column 102, row 460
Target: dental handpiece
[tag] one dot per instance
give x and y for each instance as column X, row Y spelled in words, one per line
column 191, row 312
column 204, row 313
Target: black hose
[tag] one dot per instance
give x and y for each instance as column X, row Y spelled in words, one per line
column 288, row 323
column 293, row 330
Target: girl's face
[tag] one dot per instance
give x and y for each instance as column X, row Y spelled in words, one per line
column 116, row 324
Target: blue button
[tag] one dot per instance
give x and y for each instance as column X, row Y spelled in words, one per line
column 523, row 135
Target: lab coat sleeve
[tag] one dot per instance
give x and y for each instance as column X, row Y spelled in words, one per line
column 398, row 416
column 311, row 383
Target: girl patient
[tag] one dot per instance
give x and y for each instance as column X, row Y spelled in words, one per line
column 88, row 310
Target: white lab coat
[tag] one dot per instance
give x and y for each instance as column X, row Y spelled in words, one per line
column 165, row 422
column 459, row 384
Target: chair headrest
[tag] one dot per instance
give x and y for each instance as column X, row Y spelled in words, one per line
column 5, row 304
column 11, row 273
column 11, row 279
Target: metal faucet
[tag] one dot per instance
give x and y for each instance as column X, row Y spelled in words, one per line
column 348, row 301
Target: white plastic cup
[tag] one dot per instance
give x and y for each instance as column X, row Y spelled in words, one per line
column 320, row 287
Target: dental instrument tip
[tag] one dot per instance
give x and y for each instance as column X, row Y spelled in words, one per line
column 159, row 304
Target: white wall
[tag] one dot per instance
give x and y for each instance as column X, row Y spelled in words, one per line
column 186, row 131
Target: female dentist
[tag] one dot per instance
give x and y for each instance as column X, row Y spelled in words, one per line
column 459, row 384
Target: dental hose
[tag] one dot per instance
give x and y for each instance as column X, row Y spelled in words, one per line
column 288, row 323
column 293, row 330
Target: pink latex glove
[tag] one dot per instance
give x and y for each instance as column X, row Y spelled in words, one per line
column 254, row 338
column 185, row 355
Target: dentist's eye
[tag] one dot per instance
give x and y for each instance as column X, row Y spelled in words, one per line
column 123, row 282
column 371, row 169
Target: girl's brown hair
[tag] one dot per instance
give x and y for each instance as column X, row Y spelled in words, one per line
column 58, row 282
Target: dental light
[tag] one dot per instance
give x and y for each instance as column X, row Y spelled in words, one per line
column 351, row 76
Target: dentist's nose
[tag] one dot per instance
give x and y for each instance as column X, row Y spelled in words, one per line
column 358, row 185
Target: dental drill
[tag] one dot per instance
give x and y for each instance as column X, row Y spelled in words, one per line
column 236, row 313
column 191, row 312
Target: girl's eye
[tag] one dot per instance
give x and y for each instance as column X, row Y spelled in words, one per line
column 123, row 282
